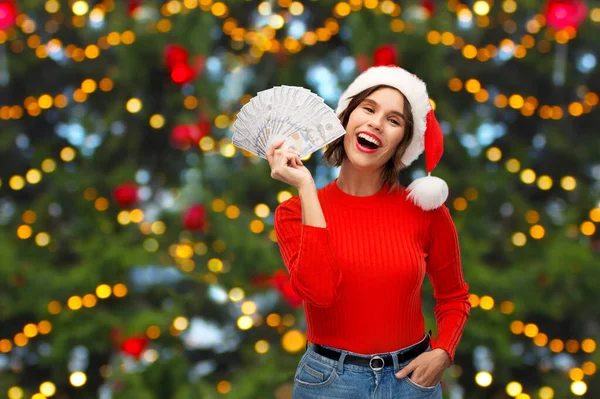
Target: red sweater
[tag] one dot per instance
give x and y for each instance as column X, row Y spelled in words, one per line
column 361, row 277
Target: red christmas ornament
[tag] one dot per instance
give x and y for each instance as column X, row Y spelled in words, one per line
column 385, row 55
column 126, row 194
column 282, row 282
column 182, row 74
column 175, row 54
column 429, row 6
column 134, row 346
column 8, row 14
column 132, row 7
column 565, row 13
column 194, row 218
column 180, row 136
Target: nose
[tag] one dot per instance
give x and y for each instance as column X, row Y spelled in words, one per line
column 375, row 123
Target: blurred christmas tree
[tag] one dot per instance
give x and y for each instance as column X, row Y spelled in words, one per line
column 137, row 251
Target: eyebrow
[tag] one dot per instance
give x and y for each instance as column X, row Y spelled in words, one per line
column 400, row 114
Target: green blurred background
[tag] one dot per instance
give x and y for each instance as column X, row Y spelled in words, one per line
column 137, row 252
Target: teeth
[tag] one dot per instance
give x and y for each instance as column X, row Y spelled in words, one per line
column 369, row 138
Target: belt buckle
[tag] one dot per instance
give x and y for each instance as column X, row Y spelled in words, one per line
column 376, row 368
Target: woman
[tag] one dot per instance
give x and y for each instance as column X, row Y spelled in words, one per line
column 358, row 249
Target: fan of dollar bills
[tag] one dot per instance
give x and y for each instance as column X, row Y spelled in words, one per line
column 290, row 113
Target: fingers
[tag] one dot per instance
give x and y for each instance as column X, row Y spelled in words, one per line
column 410, row 367
column 272, row 149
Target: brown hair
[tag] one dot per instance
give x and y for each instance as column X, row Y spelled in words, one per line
column 335, row 154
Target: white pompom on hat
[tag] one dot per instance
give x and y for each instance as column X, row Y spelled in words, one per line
column 428, row 192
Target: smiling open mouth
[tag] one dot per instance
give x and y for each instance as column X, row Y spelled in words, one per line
column 367, row 141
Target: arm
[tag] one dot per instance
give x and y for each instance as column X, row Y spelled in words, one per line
column 306, row 248
column 450, row 290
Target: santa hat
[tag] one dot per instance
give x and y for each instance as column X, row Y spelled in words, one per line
column 428, row 192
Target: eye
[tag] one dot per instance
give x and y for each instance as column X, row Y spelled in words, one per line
column 395, row 122
column 369, row 109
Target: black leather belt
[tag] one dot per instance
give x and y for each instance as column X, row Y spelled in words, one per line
column 375, row 362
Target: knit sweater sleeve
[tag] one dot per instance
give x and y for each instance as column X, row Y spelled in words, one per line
column 308, row 255
column 450, row 290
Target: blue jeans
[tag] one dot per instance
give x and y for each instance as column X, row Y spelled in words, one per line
column 320, row 377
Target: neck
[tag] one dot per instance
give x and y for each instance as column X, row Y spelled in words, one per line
column 357, row 182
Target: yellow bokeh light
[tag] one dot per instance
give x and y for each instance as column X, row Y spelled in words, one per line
column 157, row 121
column 248, row 308
column 545, row 182
column 181, row 323
column 20, row 339
column 16, row 182
column 514, row 388
column 261, row 346
column 532, row 216
column 516, row 101
column 579, row 388
column 576, row 374
column 293, row 341
column 572, row 346
column 24, row 232
column 207, row 143
column 531, row 330
column 519, row 239
column 67, row 154
column 42, row 239
column 47, row 388
column 103, row 291
column 483, row 379
column 296, row 8
column 262, row 210
column 236, row 294
column 494, row 154
column 80, row 7
column 78, row 379
column 537, row 231
column 257, row 226
column 5, row 345
column 481, row 7
column 45, row 101
column 215, row 265
column 546, row 393
column 232, row 212
column 74, row 302
column 472, row 86
column 245, row 322
column 595, row 215
column 528, row 176
column 219, row 9
column 133, row 105
column 218, row 205
column 15, row 393
column 588, row 228
column 513, row 165
column 48, row 165
column 283, row 196
column 123, row 217
column 30, row 330
column 33, row 176
column 228, row 150
column 486, row 302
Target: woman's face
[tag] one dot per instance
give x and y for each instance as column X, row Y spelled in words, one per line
column 374, row 130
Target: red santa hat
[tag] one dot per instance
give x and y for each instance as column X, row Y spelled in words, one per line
column 428, row 192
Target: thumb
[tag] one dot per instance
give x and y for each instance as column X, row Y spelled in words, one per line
column 410, row 367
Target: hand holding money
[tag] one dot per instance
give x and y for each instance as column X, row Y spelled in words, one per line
column 287, row 167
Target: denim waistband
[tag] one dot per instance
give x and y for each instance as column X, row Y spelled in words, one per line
column 339, row 363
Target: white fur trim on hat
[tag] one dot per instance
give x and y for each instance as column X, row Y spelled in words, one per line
column 413, row 88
